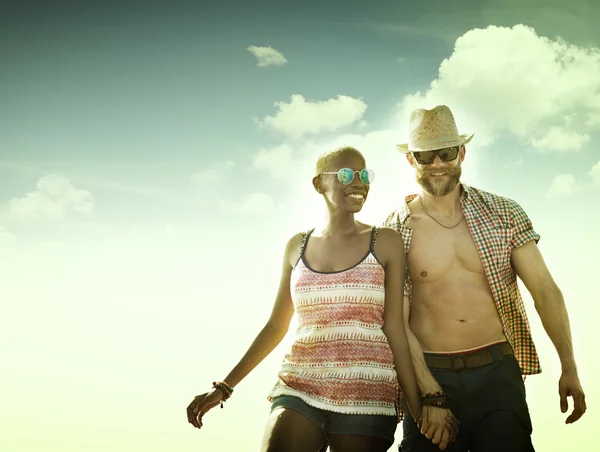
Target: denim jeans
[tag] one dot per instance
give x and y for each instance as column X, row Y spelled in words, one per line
column 489, row 401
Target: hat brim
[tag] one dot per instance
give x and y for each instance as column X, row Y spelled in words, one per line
column 462, row 139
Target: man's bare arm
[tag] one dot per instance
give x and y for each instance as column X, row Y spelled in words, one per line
column 529, row 265
column 425, row 380
column 434, row 424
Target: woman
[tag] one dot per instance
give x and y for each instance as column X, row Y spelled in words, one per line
column 339, row 383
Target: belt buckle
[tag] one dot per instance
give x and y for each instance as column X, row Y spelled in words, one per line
column 459, row 362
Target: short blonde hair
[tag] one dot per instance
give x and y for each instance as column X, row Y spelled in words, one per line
column 325, row 159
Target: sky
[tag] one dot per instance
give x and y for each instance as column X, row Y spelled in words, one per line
column 155, row 159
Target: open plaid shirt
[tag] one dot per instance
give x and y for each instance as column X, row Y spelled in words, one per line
column 497, row 225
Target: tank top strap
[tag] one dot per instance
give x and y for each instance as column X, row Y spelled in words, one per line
column 374, row 232
column 303, row 240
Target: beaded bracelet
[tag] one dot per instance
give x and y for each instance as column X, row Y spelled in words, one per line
column 226, row 389
column 436, row 399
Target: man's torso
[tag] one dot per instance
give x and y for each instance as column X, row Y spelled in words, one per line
column 452, row 304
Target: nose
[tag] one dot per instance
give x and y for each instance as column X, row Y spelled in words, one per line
column 357, row 182
column 437, row 161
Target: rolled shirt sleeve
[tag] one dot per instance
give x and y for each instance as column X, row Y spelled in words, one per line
column 523, row 231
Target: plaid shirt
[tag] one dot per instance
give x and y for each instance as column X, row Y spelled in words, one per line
column 498, row 225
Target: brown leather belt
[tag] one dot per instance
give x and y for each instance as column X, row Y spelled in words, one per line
column 468, row 360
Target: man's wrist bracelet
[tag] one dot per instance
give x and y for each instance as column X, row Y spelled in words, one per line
column 436, row 399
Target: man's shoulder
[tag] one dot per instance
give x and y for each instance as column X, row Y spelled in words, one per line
column 489, row 197
column 394, row 219
column 501, row 205
column 397, row 217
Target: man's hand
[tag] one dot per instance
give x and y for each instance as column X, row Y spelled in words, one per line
column 569, row 386
column 439, row 425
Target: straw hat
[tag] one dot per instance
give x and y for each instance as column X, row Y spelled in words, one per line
column 433, row 129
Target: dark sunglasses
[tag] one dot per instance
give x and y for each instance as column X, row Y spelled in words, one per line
column 427, row 157
column 346, row 175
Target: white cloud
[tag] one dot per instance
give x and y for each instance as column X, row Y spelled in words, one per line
column 300, row 117
column 54, row 198
column 500, row 80
column 566, row 184
column 254, row 204
column 557, row 139
column 562, row 186
column 277, row 160
column 593, row 120
column 595, row 174
column 92, row 180
column 267, row 56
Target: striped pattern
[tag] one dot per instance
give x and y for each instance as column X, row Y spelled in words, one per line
column 340, row 359
column 497, row 225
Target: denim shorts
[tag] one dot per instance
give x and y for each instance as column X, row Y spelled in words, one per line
column 374, row 425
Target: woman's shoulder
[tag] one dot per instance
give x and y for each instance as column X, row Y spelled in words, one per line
column 382, row 234
column 389, row 245
column 389, row 236
column 296, row 239
column 294, row 246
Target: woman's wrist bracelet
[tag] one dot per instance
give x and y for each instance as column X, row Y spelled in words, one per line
column 225, row 388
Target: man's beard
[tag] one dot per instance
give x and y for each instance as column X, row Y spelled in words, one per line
column 439, row 187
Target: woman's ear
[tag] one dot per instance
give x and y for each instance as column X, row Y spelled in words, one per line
column 317, row 184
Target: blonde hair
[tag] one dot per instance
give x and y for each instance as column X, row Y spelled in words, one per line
column 325, row 159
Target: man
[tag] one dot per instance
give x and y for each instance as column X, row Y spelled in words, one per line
column 469, row 333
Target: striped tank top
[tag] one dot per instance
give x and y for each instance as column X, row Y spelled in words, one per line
column 340, row 360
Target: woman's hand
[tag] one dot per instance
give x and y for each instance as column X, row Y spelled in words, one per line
column 202, row 404
column 439, row 425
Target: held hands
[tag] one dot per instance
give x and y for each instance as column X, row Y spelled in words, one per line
column 436, row 422
column 569, row 386
column 439, row 425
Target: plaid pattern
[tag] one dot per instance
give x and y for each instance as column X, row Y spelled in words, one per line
column 497, row 225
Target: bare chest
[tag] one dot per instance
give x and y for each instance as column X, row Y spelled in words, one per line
column 335, row 256
column 435, row 250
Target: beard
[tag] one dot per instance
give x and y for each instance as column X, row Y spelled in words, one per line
column 439, row 187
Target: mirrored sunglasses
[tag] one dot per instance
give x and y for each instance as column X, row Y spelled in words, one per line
column 346, row 175
column 427, row 157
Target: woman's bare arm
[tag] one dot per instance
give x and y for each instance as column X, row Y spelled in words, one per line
column 278, row 324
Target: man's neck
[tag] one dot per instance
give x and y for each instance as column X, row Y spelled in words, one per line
column 447, row 205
